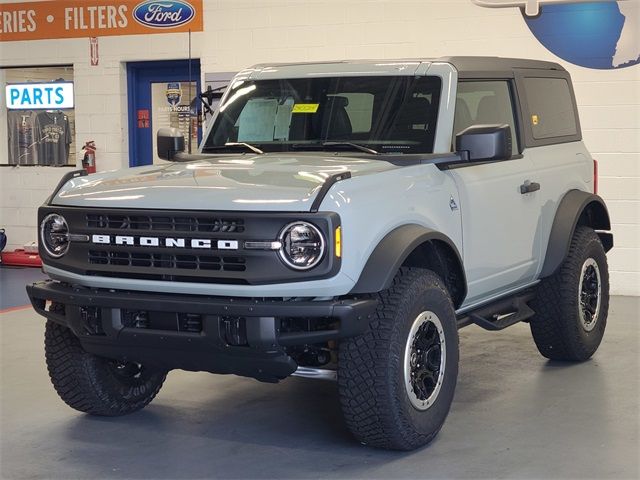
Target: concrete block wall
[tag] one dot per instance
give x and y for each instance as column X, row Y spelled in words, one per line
column 100, row 113
column 239, row 33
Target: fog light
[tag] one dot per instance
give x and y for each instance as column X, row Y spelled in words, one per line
column 234, row 331
column 92, row 320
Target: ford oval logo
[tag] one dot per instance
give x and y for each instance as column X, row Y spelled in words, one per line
column 163, row 14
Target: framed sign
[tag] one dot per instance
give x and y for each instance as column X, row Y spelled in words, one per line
column 39, row 96
column 90, row 18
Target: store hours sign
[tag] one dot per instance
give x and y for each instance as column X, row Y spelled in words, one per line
column 43, row 96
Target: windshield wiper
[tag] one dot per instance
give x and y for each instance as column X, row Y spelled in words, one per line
column 355, row 146
column 247, row 146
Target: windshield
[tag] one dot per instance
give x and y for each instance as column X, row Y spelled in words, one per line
column 385, row 114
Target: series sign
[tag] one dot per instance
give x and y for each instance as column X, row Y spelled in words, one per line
column 97, row 18
column 35, row 96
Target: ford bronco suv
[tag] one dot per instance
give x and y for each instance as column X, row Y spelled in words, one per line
column 342, row 221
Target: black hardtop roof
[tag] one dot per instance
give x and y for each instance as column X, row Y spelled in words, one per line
column 492, row 64
column 467, row 66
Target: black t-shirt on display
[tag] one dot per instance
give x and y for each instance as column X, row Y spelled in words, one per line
column 22, row 141
column 53, row 134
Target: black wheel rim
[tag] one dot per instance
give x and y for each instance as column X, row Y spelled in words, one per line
column 131, row 373
column 590, row 288
column 425, row 356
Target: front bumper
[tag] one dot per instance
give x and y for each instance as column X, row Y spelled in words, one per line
column 190, row 332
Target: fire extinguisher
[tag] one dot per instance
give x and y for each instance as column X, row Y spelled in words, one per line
column 89, row 158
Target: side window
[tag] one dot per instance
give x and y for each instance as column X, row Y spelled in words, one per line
column 551, row 108
column 481, row 103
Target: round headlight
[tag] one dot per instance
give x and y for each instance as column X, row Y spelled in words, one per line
column 302, row 245
column 54, row 235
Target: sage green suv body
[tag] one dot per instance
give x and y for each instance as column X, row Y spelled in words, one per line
column 339, row 220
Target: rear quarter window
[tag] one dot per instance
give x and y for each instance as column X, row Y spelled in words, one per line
column 551, row 109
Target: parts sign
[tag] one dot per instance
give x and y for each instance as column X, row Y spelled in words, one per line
column 97, row 18
column 34, row 96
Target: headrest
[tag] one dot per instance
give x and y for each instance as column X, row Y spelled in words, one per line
column 415, row 111
column 337, row 101
column 488, row 111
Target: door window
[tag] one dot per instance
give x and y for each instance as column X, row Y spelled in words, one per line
column 171, row 106
column 483, row 103
column 161, row 95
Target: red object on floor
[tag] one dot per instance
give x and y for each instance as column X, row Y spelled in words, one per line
column 20, row 258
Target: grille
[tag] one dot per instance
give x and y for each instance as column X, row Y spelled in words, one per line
column 162, row 260
column 184, row 245
column 167, row 223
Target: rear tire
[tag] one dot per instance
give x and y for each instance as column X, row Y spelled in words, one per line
column 96, row 385
column 397, row 380
column 572, row 305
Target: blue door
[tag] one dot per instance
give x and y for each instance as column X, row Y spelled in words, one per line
column 162, row 94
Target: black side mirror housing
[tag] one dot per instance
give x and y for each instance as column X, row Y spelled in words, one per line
column 170, row 142
column 485, row 143
column 211, row 94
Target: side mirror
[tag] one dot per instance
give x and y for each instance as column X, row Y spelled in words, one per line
column 170, row 142
column 485, row 142
column 211, row 94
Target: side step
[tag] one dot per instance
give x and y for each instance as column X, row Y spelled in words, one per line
column 501, row 314
column 319, row 373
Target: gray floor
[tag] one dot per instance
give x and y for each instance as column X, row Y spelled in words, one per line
column 12, row 282
column 515, row 415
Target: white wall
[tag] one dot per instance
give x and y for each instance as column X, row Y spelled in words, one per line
column 239, row 33
column 100, row 113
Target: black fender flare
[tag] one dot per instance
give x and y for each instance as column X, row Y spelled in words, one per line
column 576, row 206
column 389, row 255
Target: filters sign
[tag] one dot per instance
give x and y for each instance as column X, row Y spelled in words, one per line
column 97, row 18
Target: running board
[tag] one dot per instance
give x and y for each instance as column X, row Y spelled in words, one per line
column 318, row 373
column 501, row 314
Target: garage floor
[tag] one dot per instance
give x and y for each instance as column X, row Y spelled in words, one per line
column 515, row 415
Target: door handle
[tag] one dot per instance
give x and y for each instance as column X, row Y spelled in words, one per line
column 528, row 186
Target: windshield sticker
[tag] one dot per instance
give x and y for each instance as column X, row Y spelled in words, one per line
column 305, row 108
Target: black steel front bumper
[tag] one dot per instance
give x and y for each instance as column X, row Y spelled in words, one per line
column 191, row 332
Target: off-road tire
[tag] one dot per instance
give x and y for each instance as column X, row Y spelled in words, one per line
column 371, row 383
column 92, row 384
column 556, row 327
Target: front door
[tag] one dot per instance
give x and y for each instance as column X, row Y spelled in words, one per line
column 501, row 241
column 162, row 94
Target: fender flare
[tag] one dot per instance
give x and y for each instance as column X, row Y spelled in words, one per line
column 570, row 211
column 391, row 252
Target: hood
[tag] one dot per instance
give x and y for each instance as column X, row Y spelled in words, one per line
column 282, row 181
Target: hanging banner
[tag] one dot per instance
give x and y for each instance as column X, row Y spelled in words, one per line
column 88, row 18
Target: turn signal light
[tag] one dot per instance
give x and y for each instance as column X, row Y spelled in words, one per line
column 595, row 176
column 338, row 237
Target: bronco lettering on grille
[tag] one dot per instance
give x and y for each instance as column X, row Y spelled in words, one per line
column 164, row 242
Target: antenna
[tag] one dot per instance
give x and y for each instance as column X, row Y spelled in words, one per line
column 190, row 115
